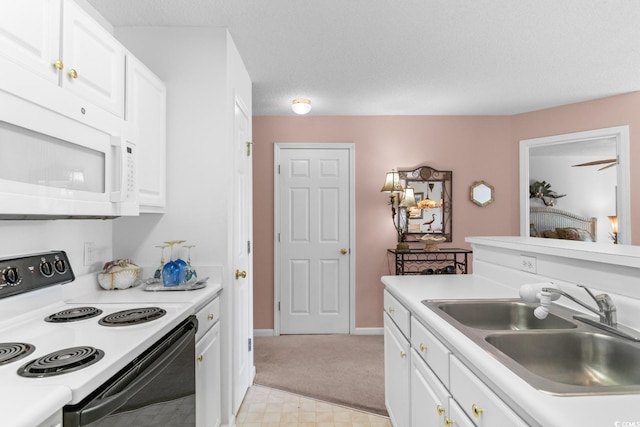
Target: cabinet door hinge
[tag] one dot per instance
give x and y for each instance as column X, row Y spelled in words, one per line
column 249, row 344
column 248, row 246
column 278, row 305
column 278, row 169
column 249, row 144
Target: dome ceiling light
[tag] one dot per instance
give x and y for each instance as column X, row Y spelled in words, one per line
column 301, row 105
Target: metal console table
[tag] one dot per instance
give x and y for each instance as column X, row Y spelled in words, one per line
column 419, row 261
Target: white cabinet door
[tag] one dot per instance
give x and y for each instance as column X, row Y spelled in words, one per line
column 93, row 60
column 396, row 374
column 146, row 117
column 208, row 379
column 429, row 398
column 30, row 36
column 478, row 401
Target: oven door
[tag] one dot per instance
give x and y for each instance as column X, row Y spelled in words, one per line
column 157, row 388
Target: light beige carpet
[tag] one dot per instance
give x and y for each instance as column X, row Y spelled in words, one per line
column 344, row 369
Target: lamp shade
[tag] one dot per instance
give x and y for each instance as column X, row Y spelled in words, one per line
column 409, row 199
column 392, row 183
column 301, row 105
column 614, row 223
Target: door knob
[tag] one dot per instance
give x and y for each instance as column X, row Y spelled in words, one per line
column 240, row 274
column 344, row 251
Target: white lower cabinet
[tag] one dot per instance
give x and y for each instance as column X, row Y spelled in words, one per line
column 208, row 380
column 429, row 398
column 427, row 385
column 483, row 406
column 397, row 372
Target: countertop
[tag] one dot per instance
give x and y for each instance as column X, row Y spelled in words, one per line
column 47, row 400
column 535, row 407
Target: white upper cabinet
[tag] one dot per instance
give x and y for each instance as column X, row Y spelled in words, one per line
column 49, row 44
column 93, row 60
column 146, row 118
column 30, row 35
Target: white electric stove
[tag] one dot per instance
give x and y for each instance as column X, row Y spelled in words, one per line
column 83, row 346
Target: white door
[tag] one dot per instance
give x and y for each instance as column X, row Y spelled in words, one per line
column 241, row 288
column 313, row 239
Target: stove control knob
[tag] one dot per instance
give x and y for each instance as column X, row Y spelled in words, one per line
column 60, row 266
column 46, row 268
column 11, row 276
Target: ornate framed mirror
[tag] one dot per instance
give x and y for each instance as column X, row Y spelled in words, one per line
column 432, row 216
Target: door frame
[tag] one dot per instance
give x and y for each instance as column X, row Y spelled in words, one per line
column 350, row 147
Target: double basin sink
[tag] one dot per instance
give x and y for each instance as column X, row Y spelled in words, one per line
column 558, row 355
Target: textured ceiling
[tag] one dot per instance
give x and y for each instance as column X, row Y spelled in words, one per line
column 414, row 57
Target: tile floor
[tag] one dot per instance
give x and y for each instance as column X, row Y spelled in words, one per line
column 267, row 407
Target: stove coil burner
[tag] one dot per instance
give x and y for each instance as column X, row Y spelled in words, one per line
column 73, row 314
column 61, row 362
column 12, row 351
column 133, row 316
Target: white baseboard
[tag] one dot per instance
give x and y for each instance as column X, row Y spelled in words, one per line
column 368, row 331
column 263, row 332
column 358, row 331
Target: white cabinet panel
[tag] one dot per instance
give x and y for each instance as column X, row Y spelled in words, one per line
column 29, row 35
column 146, row 120
column 477, row 400
column 397, row 374
column 94, row 60
column 429, row 398
column 208, row 410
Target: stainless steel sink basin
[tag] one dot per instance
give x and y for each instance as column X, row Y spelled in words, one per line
column 501, row 315
column 584, row 359
column 558, row 355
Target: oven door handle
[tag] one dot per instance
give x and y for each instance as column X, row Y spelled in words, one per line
column 102, row 407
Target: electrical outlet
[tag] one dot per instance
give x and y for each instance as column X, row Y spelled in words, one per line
column 88, row 253
column 528, row 263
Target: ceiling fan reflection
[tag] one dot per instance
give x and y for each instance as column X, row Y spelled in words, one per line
column 606, row 162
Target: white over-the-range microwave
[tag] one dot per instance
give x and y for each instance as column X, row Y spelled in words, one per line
column 53, row 166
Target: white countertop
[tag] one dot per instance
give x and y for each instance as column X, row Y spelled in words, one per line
column 535, row 407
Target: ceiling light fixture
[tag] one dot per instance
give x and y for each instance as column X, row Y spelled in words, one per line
column 301, row 105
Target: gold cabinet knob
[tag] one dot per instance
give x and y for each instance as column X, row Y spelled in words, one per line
column 391, row 310
column 423, row 347
column 439, row 410
column 403, row 354
column 73, row 73
column 344, row 251
column 58, row 65
column 240, row 274
column 477, row 411
column 210, row 317
column 448, row 422
column 200, row 358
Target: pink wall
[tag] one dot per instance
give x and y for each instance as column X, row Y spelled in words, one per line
column 473, row 147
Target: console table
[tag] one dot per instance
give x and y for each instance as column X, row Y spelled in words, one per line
column 419, row 261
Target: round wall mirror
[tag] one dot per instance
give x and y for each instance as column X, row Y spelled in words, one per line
column 481, row 193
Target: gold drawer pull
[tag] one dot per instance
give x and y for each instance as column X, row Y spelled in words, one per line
column 73, row 73
column 448, row 422
column 391, row 310
column 210, row 317
column 440, row 410
column 477, row 411
column 58, row 65
column 403, row 354
column 200, row 358
column 423, row 347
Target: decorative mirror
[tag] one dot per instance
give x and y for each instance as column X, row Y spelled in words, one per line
column 432, row 215
column 481, row 193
